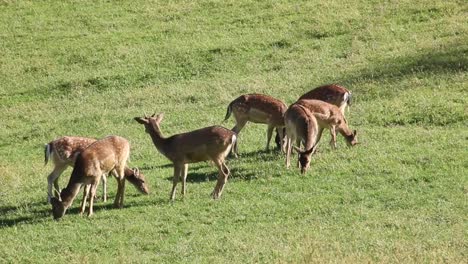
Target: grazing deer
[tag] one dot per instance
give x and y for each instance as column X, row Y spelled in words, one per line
column 63, row 152
column 329, row 116
column 209, row 143
column 330, row 93
column 301, row 126
column 109, row 154
column 258, row 108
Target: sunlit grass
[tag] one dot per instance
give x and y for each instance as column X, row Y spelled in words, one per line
column 87, row 68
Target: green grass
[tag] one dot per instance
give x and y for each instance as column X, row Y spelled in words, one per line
column 88, row 67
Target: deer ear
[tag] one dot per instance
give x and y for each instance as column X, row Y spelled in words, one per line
column 298, row 150
column 309, row 151
column 141, row 120
column 159, row 117
column 136, row 171
column 355, row 132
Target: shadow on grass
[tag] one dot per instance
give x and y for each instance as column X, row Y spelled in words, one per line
column 198, row 177
column 38, row 213
column 152, row 167
column 262, row 154
column 452, row 58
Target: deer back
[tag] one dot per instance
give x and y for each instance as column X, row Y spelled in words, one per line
column 330, row 93
column 300, row 121
column 199, row 145
column 103, row 156
column 259, row 108
column 65, row 149
column 323, row 110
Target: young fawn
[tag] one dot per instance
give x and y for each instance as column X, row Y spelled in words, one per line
column 63, row 152
column 330, row 93
column 258, row 108
column 209, row 143
column 329, row 116
column 109, row 154
column 301, row 126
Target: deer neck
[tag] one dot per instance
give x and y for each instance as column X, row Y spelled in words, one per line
column 311, row 135
column 344, row 130
column 68, row 194
column 159, row 140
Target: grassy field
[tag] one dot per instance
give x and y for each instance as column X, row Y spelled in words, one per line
column 88, row 67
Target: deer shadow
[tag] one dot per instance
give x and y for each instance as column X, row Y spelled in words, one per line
column 37, row 215
column 271, row 154
column 152, row 167
column 199, row 177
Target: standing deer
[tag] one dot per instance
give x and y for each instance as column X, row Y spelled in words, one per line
column 301, row 126
column 209, row 143
column 330, row 93
column 63, row 152
column 329, row 116
column 258, row 108
column 109, row 154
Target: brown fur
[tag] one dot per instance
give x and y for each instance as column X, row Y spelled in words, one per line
column 209, row 143
column 63, row 152
column 301, row 126
column 329, row 116
column 109, row 154
column 257, row 108
column 330, row 93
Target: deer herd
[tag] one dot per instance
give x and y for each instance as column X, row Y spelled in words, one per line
column 298, row 127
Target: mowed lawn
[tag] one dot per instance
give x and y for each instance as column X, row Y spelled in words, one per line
column 87, row 68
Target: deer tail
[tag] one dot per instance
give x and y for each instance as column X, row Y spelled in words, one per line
column 47, row 151
column 349, row 98
column 228, row 111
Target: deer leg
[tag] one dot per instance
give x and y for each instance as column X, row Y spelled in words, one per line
column 240, row 123
column 120, row 177
column 298, row 144
column 122, row 193
column 104, row 188
column 178, row 168
column 184, row 179
column 222, row 178
column 333, row 137
column 91, row 197
column 288, row 151
column 269, row 134
column 117, row 196
column 85, row 197
column 281, row 132
column 52, row 180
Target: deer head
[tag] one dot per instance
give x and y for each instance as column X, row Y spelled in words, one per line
column 305, row 158
column 135, row 177
column 58, row 209
column 151, row 122
column 351, row 140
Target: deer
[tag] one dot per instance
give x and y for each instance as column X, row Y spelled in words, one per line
column 330, row 116
column 63, row 152
column 210, row 143
column 301, row 126
column 109, row 154
column 331, row 93
column 258, row 108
